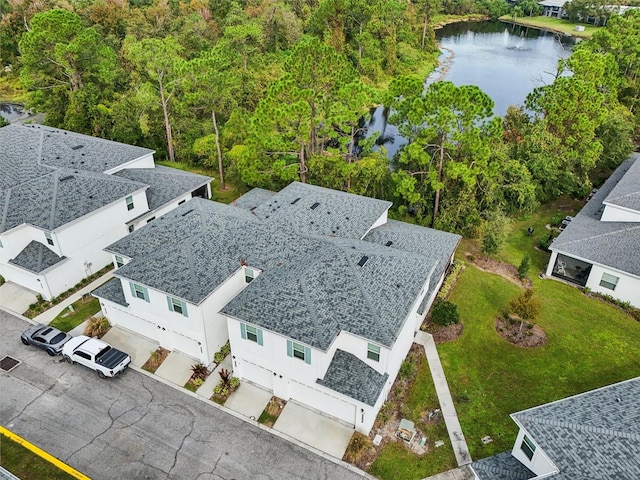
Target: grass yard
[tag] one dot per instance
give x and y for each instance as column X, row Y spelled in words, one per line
column 591, row 344
column 395, row 461
column 553, row 24
column 82, row 310
column 26, row 465
column 228, row 195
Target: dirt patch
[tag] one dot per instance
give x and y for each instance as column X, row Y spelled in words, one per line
column 525, row 334
column 272, row 411
column 155, row 360
column 505, row 270
column 443, row 334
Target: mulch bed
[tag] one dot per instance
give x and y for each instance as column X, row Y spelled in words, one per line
column 443, row 334
column 529, row 336
column 505, row 270
column 155, row 360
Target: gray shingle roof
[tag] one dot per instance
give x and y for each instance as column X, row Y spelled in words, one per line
column 349, row 375
column 626, row 193
column 435, row 244
column 112, row 291
column 61, row 148
column 614, row 244
column 592, row 435
column 36, row 257
column 502, row 466
column 165, row 184
column 312, row 210
column 60, row 197
column 253, row 198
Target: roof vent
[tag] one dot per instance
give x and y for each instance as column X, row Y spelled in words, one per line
column 187, row 212
column 315, row 205
column 252, row 209
column 295, row 201
column 66, row 177
column 77, row 147
column 388, row 244
column 363, row 260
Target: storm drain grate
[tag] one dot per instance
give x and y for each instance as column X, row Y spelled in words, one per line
column 8, row 363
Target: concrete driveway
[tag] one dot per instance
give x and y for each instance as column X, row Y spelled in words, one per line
column 16, row 298
column 135, row 427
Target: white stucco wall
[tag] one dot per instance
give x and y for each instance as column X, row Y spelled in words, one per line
column 539, row 464
column 615, row 213
column 627, row 288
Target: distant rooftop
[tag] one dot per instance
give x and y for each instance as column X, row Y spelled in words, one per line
column 614, row 244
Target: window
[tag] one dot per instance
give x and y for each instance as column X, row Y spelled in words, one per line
column 373, row 352
column 84, row 355
column 177, row 306
column 119, row 261
column 129, row 203
column 49, row 238
column 131, row 227
column 251, row 333
column 298, row 351
column 609, row 281
column 138, row 291
column 249, row 275
column 528, row 447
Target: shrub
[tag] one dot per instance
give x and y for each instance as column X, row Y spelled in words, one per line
column 556, row 219
column 524, row 266
column 357, row 447
column 2, row 280
column 526, row 306
column 406, row 369
column 97, row 327
column 199, row 371
column 545, row 241
column 450, row 281
column 445, row 313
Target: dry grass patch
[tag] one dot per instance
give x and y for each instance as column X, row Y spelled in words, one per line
column 155, row 360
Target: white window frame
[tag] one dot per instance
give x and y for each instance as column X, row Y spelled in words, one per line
column 530, row 449
column 49, row 238
column 129, row 200
column 373, row 352
column 137, row 290
column 249, row 275
column 119, row 261
column 609, row 281
column 178, row 306
column 131, row 228
column 251, row 333
column 299, row 351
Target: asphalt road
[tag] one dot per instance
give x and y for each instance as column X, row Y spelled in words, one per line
column 134, row 427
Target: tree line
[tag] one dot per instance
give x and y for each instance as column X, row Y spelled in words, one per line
column 273, row 91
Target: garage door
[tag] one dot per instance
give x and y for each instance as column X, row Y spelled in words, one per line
column 323, row 401
column 257, row 374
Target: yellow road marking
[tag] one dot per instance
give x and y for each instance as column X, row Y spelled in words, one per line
column 42, row 454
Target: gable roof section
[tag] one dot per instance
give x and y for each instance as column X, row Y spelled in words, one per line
column 592, row 435
column 165, row 184
column 312, row 210
column 626, row 193
column 36, row 257
column 64, row 149
column 502, row 466
column 253, row 198
column 349, row 375
column 112, row 291
column 614, row 244
column 52, row 200
column 313, row 297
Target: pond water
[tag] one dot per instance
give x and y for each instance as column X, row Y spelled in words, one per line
column 506, row 61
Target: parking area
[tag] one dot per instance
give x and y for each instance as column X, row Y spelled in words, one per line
column 16, row 298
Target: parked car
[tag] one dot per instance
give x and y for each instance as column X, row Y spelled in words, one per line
column 96, row 355
column 50, row 339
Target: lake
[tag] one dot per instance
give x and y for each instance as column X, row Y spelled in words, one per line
column 506, row 61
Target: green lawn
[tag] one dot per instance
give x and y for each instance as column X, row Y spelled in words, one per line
column 553, row 24
column 26, row 465
column 591, row 344
column 82, row 310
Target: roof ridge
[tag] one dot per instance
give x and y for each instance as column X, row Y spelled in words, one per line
column 632, row 226
column 582, row 427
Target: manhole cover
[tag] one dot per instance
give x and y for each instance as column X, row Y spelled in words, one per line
column 8, row 363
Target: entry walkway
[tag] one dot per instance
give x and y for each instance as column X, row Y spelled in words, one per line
column 458, row 442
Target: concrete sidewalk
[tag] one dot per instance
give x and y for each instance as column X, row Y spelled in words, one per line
column 53, row 312
column 458, row 442
column 461, row 473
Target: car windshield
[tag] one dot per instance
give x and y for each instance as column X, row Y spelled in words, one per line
column 101, row 353
column 58, row 338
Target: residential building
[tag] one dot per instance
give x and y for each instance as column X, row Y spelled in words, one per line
column 318, row 292
column 600, row 248
column 592, row 435
column 64, row 197
column 553, row 8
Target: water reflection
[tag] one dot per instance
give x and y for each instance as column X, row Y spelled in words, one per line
column 506, row 61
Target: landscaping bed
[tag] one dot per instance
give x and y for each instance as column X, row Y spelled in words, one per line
column 82, row 309
column 272, row 411
column 155, row 360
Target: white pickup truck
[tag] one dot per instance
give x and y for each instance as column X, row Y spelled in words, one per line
column 95, row 354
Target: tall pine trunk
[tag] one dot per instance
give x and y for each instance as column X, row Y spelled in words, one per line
column 220, row 170
column 167, row 125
